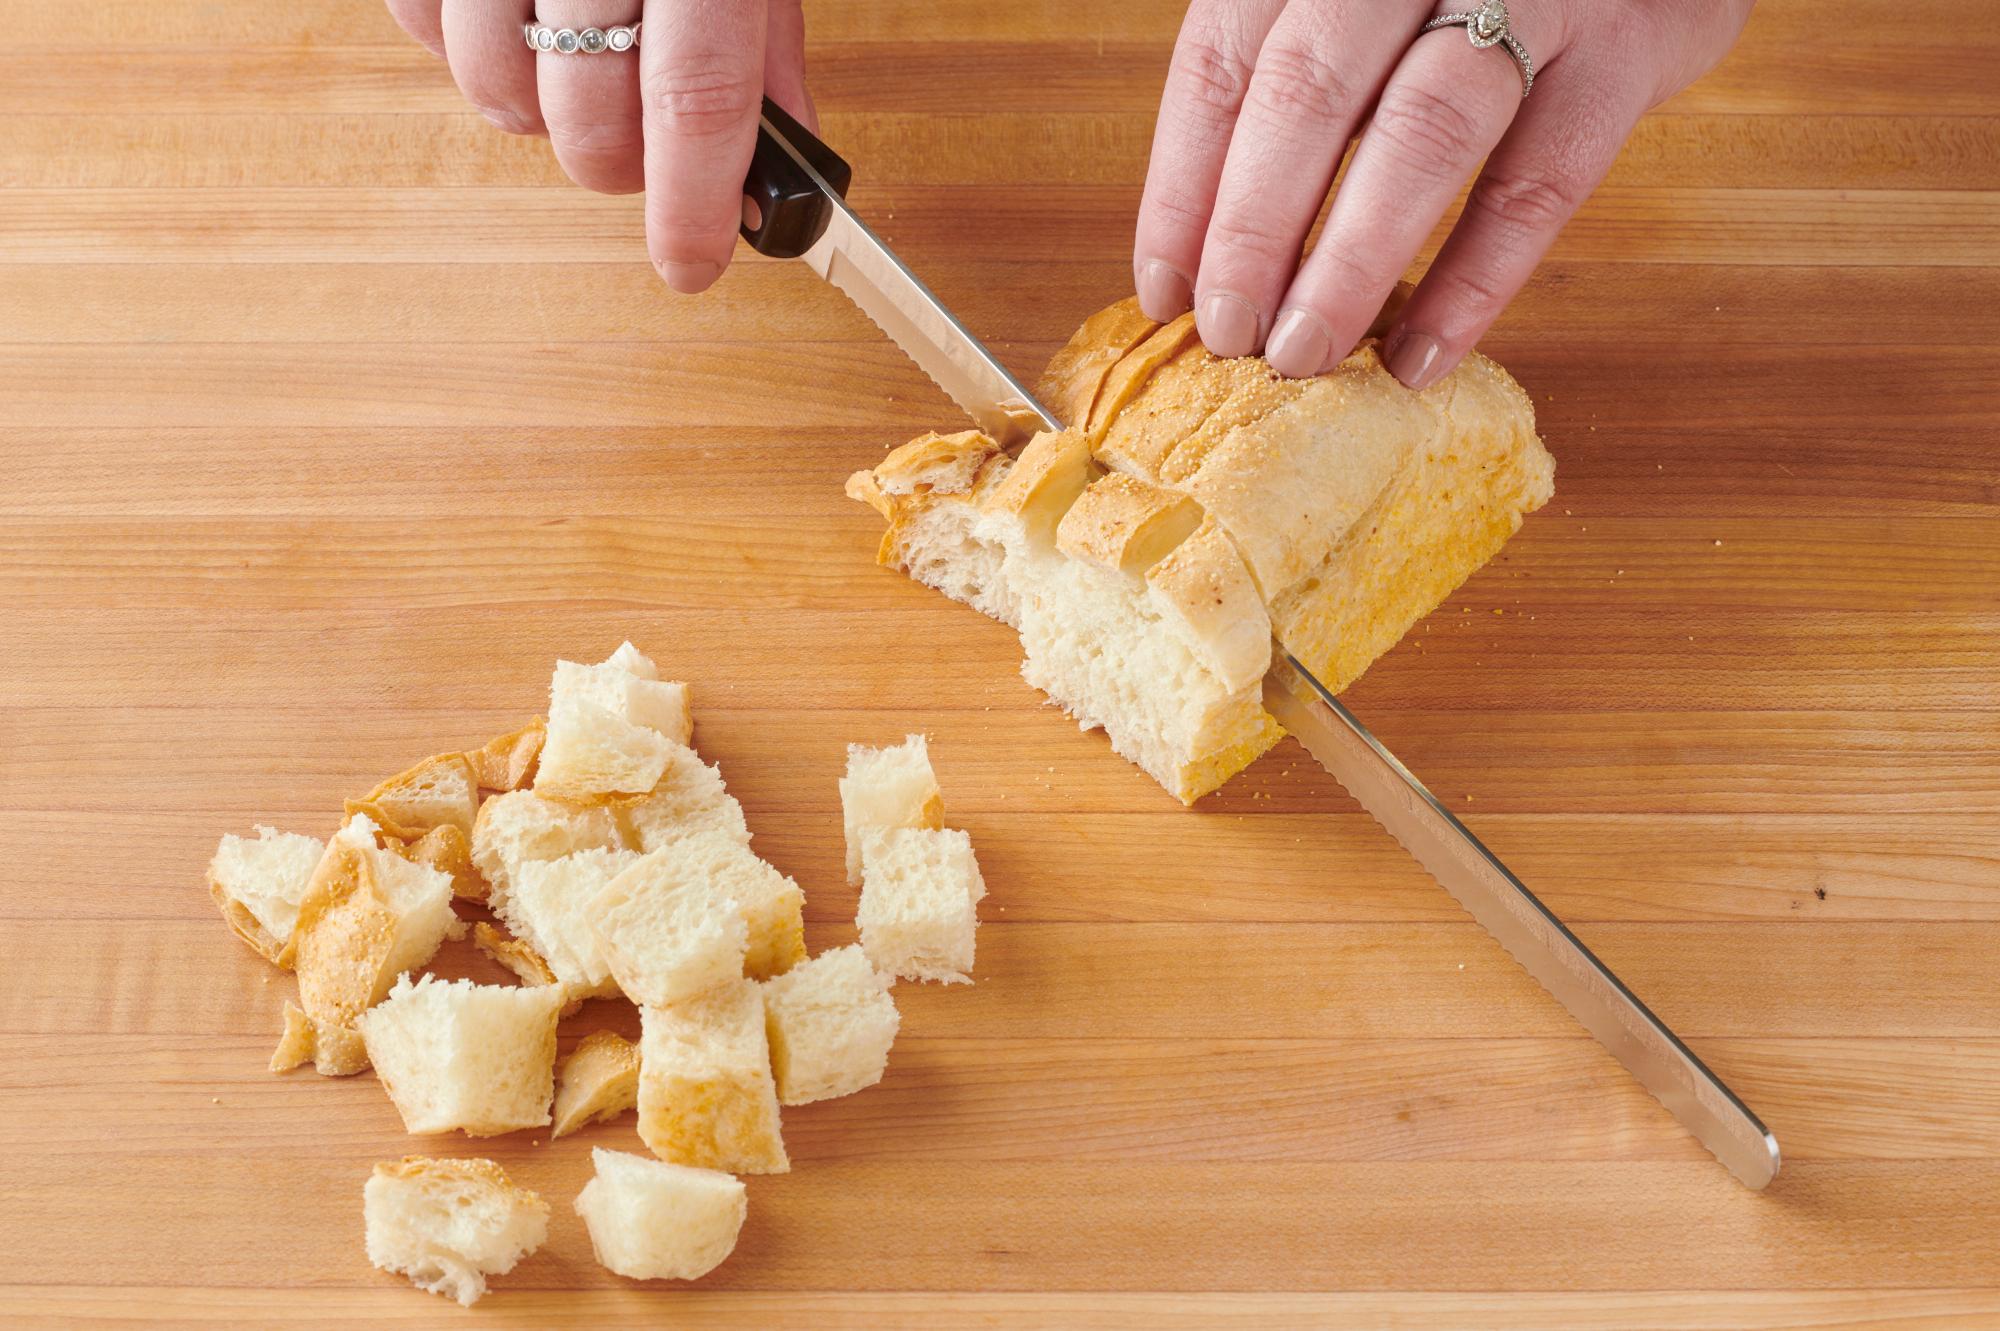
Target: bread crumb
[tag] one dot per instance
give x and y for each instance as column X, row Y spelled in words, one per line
column 215, row 1099
column 1461, row 965
column 1718, row 541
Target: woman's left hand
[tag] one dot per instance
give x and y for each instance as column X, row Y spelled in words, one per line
column 1262, row 99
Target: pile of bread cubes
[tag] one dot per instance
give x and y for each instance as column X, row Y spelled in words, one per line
column 621, row 867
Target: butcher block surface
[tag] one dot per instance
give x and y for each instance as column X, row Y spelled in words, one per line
column 330, row 417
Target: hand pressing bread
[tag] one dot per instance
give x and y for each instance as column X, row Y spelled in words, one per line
column 598, row 890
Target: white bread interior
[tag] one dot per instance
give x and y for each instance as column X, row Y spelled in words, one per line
column 667, row 928
column 466, row 1057
column 650, row 1220
column 258, row 885
column 706, row 1094
column 520, row 826
column 887, row 787
column 1194, row 507
column 596, row 1083
column 920, row 889
column 448, row 1224
column 830, row 1022
column 689, row 797
column 548, row 907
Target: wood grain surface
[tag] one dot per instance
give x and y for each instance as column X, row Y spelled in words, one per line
column 329, row 417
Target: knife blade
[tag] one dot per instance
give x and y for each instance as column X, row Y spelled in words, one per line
column 1529, row 931
column 793, row 189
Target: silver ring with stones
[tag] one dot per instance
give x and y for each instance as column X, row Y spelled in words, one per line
column 581, row 41
column 1487, row 26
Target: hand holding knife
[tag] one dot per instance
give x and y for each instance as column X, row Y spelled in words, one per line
column 795, row 207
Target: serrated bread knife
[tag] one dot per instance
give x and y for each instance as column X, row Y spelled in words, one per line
column 794, row 208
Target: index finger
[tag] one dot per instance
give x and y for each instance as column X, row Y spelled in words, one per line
column 701, row 76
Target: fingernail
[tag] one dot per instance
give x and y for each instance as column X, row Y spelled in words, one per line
column 1163, row 293
column 1227, row 324
column 689, row 278
column 1415, row 358
column 1299, row 344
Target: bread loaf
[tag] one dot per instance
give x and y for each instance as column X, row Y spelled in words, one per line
column 1195, row 506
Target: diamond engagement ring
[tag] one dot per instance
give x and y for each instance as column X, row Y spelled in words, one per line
column 580, row 41
column 1487, row 26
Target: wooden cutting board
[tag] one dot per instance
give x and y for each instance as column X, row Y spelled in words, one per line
column 329, row 417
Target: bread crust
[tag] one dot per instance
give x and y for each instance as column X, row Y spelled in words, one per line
column 597, row 1082
column 397, row 807
column 507, row 762
column 1337, row 510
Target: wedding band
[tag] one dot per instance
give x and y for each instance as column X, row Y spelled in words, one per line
column 1487, row 26
column 580, row 41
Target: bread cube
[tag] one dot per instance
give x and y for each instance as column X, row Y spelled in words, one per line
column 592, row 753
column 448, row 1224
column 669, row 927
column 521, row 826
column 259, row 884
column 633, row 661
column 919, row 890
column 830, row 1022
column 368, row 917
column 662, row 705
column 597, row 1082
column 773, row 906
column 549, row 908
column 507, row 762
column 651, row 1220
column 440, row 791
column 475, row 1058
column 706, row 1095
column 688, row 798
column 892, row 787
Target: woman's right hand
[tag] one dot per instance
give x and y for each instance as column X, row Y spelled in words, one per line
column 676, row 116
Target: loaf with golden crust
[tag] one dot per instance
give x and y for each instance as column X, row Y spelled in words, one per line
column 1197, row 506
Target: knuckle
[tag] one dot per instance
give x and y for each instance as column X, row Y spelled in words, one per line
column 1470, row 291
column 1235, row 235
column 1525, row 202
column 608, row 138
column 703, row 96
column 1292, row 84
column 1176, row 209
column 1425, row 130
column 1208, row 72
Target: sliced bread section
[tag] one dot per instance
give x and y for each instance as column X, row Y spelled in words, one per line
column 706, row 1095
column 459, row 1056
column 887, row 787
column 448, row 1224
column 920, row 888
column 258, row 885
column 651, row 1220
column 830, row 1022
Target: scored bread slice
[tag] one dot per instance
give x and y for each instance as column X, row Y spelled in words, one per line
column 521, row 826
column 258, row 885
column 592, row 754
column 448, row 1224
column 830, row 1022
column 459, row 1056
column 887, row 787
column 706, row 1094
column 369, row 916
column 596, row 1083
column 688, row 798
column 1198, row 506
column 670, row 927
column 549, row 908
column 507, row 762
column 920, row 889
column 440, row 791
column 651, row 1220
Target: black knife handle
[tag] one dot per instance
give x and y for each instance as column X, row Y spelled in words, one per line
column 790, row 210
